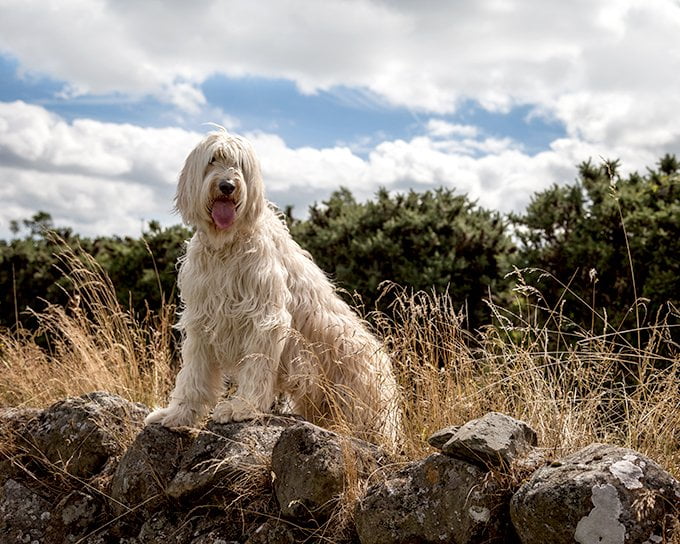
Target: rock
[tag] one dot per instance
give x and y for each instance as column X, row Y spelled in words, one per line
column 24, row 514
column 204, row 528
column 312, row 467
column 145, row 470
column 226, row 456
column 165, row 468
column 160, row 527
column 272, row 532
column 14, row 419
column 221, row 484
column 211, row 526
column 13, row 443
column 104, row 536
column 494, row 440
column 442, row 436
column 80, row 434
column 437, row 499
column 76, row 515
column 213, row 537
column 601, row 494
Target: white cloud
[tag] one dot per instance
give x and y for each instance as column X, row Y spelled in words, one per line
column 441, row 128
column 184, row 96
column 503, row 178
column 30, row 134
column 104, row 178
column 88, row 204
column 424, row 56
column 100, row 178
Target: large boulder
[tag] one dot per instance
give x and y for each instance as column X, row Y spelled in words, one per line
column 178, row 469
column 75, row 516
column 138, row 486
column 24, row 514
column 169, row 527
column 600, row 494
column 312, row 468
column 273, row 532
column 79, row 435
column 442, row 436
column 14, row 420
column 14, row 441
column 438, row 499
column 226, row 456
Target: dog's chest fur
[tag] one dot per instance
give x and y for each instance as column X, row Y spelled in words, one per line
column 228, row 294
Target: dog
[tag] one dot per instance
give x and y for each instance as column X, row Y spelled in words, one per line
column 257, row 310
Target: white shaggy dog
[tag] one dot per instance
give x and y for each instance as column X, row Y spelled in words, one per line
column 258, row 310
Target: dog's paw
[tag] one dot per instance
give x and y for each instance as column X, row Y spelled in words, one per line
column 171, row 417
column 234, row 410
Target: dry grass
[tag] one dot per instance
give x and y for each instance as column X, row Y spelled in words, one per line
column 573, row 388
column 93, row 344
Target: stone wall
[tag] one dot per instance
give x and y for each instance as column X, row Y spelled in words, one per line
column 85, row 470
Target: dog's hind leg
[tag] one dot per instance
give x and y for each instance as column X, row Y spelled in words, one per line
column 197, row 388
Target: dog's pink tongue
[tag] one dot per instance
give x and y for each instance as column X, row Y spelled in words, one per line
column 223, row 214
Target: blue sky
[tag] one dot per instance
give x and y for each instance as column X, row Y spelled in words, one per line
column 324, row 119
column 101, row 101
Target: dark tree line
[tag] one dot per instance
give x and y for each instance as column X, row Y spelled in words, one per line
column 141, row 269
column 612, row 239
column 430, row 240
column 607, row 238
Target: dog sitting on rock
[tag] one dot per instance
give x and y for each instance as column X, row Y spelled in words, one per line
column 257, row 310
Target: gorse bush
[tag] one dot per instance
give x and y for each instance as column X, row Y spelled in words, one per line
column 613, row 241
column 142, row 270
column 434, row 239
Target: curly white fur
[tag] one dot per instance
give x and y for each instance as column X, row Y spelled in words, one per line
column 257, row 309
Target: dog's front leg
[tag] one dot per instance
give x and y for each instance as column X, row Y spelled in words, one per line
column 197, row 387
column 256, row 377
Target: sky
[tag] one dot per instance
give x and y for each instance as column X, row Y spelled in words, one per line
column 102, row 100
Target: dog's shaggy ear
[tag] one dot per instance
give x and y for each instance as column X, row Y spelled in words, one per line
column 190, row 181
column 247, row 161
column 252, row 175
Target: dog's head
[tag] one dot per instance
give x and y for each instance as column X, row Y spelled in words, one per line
column 220, row 187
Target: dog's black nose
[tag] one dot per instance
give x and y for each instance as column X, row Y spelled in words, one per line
column 226, row 187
